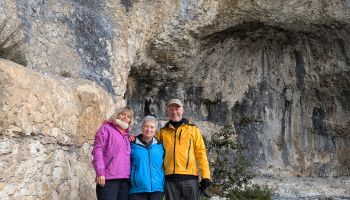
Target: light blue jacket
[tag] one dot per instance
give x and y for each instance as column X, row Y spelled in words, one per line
column 147, row 174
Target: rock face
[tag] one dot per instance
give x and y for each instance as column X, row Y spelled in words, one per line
column 279, row 70
column 47, row 127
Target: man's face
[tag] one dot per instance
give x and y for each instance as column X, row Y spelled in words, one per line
column 175, row 112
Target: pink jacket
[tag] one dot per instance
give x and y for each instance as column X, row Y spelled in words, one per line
column 111, row 152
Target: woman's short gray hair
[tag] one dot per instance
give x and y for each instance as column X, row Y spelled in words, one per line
column 118, row 111
column 150, row 118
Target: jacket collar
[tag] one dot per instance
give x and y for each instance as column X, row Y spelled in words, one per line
column 168, row 124
column 139, row 140
column 114, row 125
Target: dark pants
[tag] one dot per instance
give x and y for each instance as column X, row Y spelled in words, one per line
column 186, row 190
column 147, row 196
column 116, row 189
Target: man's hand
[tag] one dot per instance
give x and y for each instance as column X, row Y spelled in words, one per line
column 205, row 183
column 101, row 181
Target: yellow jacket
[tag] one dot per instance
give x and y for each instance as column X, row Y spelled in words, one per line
column 183, row 147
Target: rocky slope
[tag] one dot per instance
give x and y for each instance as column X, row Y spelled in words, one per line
column 279, row 70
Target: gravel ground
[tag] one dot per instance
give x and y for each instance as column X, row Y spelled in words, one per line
column 293, row 188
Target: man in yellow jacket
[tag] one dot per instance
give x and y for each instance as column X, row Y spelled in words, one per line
column 184, row 147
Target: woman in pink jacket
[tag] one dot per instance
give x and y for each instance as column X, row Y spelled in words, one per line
column 111, row 156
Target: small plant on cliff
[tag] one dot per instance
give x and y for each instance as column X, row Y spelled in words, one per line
column 11, row 42
column 65, row 73
column 131, row 85
column 231, row 169
column 245, row 120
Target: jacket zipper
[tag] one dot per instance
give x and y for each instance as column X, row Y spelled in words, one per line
column 126, row 140
column 174, row 149
column 188, row 154
column 149, row 162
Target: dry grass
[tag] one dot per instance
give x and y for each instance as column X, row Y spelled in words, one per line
column 11, row 42
column 65, row 73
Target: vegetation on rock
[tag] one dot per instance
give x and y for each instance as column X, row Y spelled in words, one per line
column 231, row 169
column 11, row 42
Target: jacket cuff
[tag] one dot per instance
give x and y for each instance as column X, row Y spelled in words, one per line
column 100, row 172
column 206, row 175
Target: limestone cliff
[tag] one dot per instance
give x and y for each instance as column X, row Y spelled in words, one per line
column 47, row 127
column 279, row 70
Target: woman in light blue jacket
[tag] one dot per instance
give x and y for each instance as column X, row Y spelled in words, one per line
column 147, row 174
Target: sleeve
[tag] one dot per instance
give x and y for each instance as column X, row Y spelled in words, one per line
column 201, row 154
column 98, row 149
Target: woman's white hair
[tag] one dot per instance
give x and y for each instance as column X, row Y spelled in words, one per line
column 118, row 111
column 150, row 118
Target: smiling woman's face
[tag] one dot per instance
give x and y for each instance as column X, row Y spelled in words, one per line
column 148, row 129
column 125, row 116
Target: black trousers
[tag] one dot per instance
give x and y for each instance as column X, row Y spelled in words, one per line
column 147, row 196
column 182, row 190
column 116, row 189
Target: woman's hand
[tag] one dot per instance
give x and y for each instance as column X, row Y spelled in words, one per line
column 132, row 138
column 101, row 181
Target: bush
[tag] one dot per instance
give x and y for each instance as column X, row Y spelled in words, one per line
column 254, row 192
column 11, row 42
column 231, row 170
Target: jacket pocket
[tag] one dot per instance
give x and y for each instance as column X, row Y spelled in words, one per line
column 109, row 162
column 188, row 154
column 134, row 175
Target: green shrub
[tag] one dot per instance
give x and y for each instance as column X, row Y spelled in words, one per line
column 228, row 175
column 231, row 169
column 226, row 138
column 11, row 42
column 254, row 192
